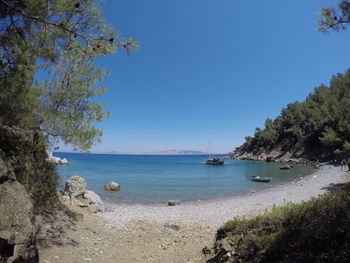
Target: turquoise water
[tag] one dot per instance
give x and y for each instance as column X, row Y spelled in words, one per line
column 154, row 179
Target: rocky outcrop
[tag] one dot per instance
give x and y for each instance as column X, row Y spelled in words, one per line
column 56, row 160
column 112, row 186
column 275, row 155
column 17, row 228
column 74, row 185
column 75, row 191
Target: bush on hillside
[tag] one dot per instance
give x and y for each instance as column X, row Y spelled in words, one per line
column 320, row 123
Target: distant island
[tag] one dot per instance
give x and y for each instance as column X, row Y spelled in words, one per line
column 165, row 152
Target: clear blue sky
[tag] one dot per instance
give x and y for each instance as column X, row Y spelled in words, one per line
column 212, row 69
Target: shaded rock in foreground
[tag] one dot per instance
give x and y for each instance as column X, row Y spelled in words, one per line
column 17, row 229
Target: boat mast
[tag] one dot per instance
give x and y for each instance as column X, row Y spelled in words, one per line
column 209, row 149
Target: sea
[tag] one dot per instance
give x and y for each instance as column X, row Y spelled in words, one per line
column 147, row 179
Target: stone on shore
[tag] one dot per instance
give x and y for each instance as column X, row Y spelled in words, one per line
column 112, row 186
column 89, row 199
column 75, row 189
column 285, row 167
column 174, row 202
column 17, row 228
column 74, row 185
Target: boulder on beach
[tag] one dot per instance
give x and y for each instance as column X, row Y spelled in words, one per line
column 174, row 202
column 285, row 167
column 76, row 190
column 88, row 198
column 112, row 186
column 75, row 184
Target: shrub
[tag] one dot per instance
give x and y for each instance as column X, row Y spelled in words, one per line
column 26, row 151
column 313, row 231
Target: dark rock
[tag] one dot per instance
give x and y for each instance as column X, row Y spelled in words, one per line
column 172, row 226
column 206, row 251
column 17, row 228
column 174, row 202
column 269, row 159
column 285, row 167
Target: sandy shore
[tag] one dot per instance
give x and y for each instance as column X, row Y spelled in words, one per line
column 216, row 212
column 158, row 233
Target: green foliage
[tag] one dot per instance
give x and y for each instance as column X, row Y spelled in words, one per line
column 313, row 231
column 49, row 82
column 329, row 137
column 48, row 72
column 335, row 19
column 321, row 122
column 26, row 151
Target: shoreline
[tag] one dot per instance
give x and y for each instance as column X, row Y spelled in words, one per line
column 215, row 212
column 159, row 233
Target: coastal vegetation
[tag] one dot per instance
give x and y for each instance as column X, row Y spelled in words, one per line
column 313, row 231
column 317, row 128
column 49, row 80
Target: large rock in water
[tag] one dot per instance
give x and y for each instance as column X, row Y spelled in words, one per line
column 112, row 186
column 75, row 184
column 17, row 229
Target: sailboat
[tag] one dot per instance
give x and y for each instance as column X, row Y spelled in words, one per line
column 212, row 159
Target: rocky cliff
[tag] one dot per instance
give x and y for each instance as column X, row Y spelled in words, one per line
column 275, row 154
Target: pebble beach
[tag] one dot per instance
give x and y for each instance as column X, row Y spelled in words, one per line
column 216, row 212
column 160, row 233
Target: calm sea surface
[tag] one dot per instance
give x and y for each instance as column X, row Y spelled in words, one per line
column 155, row 179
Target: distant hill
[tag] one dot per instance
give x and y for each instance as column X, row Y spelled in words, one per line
column 114, row 152
column 177, row 152
column 165, row 152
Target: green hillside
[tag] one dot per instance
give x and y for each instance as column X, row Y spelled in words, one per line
column 317, row 128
